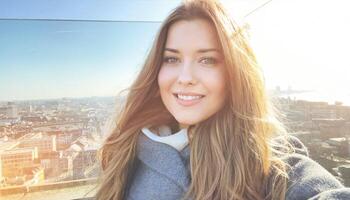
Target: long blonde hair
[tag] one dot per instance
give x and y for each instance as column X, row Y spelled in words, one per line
column 231, row 155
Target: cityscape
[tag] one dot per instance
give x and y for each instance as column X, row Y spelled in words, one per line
column 51, row 141
column 52, row 145
column 325, row 131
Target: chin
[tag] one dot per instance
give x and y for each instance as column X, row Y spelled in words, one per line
column 188, row 122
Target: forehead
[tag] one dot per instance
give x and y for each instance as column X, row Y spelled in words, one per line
column 192, row 34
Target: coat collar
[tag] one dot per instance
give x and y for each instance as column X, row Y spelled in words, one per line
column 165, row 159
column 178, row 140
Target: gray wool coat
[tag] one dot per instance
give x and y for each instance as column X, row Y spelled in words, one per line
column 162, row 173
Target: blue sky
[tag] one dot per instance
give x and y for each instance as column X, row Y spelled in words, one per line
column 60, row 58
column 87, row 9
column 65, row 53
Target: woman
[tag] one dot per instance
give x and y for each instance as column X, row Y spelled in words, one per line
column 197, row 123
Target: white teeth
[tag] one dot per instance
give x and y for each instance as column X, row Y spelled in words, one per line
column 183, row 97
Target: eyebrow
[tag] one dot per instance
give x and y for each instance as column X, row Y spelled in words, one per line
column 199, row 51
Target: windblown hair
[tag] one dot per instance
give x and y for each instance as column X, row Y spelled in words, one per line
column 231, row 152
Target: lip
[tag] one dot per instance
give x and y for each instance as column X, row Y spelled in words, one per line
column 188, row 102
column 188, row 93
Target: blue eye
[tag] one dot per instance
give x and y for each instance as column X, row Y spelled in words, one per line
column 208, row 61
column 170, row 59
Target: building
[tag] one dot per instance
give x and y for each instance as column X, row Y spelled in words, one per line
column 15, row 162
column 9, row 111
column 44, row 143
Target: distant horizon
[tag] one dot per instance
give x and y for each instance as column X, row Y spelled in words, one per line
column 296, row 94
column 53, row 98
column 57, row 98
column 116, row 95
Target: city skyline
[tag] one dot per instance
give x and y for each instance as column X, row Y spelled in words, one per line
column 47, row 58
column 47, row 145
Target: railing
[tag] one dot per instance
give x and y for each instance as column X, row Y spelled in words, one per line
column 47, row 186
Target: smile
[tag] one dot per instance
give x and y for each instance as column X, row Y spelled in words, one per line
column 184, row 97
column 188, row 100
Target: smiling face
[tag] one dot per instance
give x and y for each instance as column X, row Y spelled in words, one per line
column 192, row 75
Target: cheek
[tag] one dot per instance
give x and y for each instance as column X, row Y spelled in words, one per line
column 222, row 85
column 216, row 83
column 164, row 79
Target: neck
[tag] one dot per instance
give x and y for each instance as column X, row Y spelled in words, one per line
column 182, row 126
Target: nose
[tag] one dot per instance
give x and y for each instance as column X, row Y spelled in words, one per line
column 186, row 74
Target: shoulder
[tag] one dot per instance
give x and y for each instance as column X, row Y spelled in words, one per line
column 307, row 178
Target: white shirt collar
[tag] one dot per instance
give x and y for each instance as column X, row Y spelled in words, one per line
column 178, row 140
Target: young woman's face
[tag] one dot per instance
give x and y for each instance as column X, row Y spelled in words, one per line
column 192, row 76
